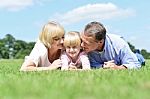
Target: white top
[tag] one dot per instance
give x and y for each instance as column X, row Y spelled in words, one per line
column 39, row 55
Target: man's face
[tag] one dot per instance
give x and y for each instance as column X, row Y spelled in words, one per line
column 88, row 43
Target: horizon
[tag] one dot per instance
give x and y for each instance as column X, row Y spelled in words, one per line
column 23, row 19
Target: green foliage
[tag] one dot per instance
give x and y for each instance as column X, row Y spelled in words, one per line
column 131, row 46
column 94, row 84
column 10, row 48
column 145, row 54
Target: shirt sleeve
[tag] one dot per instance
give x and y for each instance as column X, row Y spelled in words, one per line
column 65, row 61
column 85, row 61
column 35, row 54
column 94, row 63
column 128, row 58
column 123, row 51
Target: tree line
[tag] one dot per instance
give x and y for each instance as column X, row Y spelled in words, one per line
column 10, row 48
column 144, row 52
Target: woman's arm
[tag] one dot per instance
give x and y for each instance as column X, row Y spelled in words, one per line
column 30, row 66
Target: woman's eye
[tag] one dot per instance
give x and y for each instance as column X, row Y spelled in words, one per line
column 56, row 39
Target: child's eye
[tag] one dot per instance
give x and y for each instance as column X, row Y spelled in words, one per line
column 68, row 46
column 74, row 47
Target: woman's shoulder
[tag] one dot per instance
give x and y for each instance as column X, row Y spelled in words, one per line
column 40, row 47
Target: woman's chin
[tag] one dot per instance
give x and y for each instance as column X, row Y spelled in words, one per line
column 61, row 48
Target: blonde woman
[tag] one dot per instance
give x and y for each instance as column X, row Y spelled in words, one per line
column 73, row 57
column 47, row 50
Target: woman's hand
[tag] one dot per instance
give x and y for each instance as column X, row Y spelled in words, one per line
column 56, row 64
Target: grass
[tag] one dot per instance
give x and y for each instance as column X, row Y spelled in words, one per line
column 95, row 84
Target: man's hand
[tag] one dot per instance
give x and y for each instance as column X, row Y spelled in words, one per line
column 111, row 65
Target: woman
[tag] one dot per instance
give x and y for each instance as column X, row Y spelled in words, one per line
column 47, row 50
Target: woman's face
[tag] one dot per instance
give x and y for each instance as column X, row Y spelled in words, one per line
column 57, row 43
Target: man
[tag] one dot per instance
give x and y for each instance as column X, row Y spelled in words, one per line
column 107, row 50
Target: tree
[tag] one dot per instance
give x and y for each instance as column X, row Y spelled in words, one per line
column 131, row 46
column 12, row 48
column 145, row 54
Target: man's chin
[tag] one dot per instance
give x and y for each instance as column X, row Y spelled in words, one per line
column 86, row 50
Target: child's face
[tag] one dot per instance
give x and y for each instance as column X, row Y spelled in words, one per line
column 73, row 51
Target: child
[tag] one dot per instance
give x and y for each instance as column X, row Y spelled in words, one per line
column 73, row 57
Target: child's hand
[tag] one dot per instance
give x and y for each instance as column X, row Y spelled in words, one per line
column 72, row 67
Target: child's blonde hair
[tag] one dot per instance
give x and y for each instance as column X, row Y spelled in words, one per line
column 49, row 31
column 72, row 38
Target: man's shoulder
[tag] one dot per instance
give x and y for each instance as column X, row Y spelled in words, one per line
column 116, row 39
column 115, row 36
column 117, row 42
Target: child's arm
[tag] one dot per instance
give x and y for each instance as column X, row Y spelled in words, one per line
column 65, row 62
column 85, row 62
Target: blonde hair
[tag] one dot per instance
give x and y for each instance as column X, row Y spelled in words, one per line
column 72, row 38
column 49, row 31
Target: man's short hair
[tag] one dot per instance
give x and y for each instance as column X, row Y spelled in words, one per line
column 95, row 29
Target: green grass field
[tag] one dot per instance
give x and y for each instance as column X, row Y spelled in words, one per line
column 94, row 84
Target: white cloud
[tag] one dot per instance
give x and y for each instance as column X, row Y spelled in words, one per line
column 92, row 12
column 16, row 5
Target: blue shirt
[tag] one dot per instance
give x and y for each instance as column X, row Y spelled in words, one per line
column 116, row 49
column 140, row 58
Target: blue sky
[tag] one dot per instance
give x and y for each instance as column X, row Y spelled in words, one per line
column 128, row 18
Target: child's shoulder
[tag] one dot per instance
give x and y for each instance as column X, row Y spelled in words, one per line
column 82, row 53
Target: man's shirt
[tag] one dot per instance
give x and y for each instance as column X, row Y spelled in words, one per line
column 116, row 49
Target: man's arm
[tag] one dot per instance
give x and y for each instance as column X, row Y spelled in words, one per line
column 112, row 65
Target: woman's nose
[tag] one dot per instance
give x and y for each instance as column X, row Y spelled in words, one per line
column 62, row 41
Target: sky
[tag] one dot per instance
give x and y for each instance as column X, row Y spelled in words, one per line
column 23, row 19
